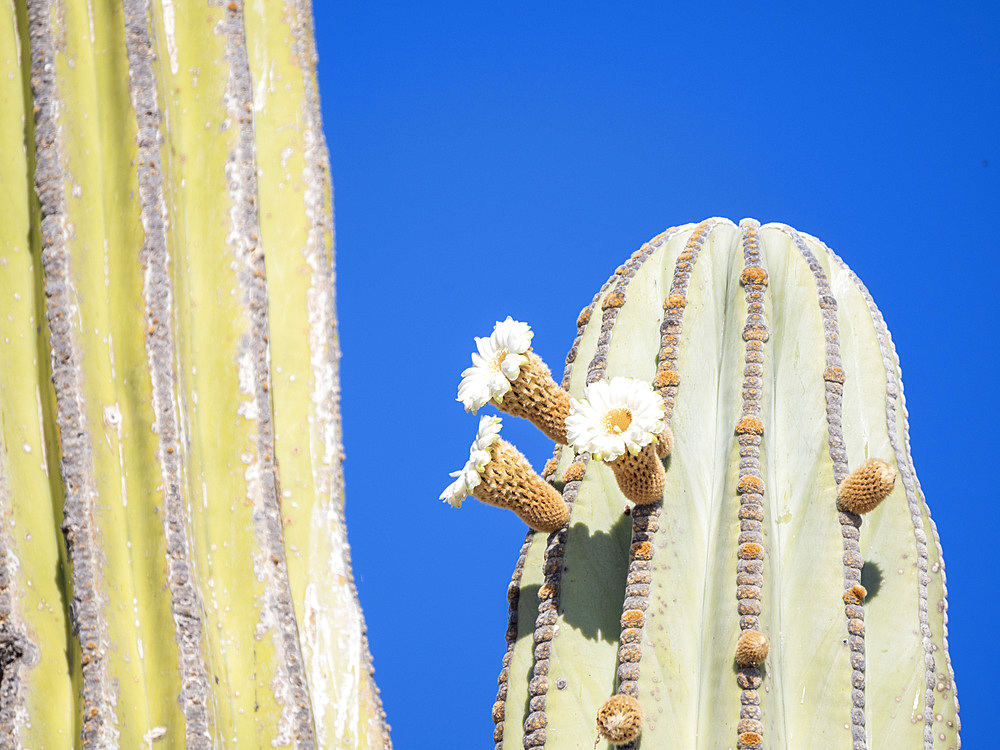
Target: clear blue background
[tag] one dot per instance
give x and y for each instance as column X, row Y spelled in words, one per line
column 503, row 158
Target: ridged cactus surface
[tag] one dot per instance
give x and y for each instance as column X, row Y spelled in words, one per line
column 173, row 560
column 779, row 382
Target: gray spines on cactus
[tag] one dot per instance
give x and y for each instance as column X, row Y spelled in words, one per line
column 750, row 607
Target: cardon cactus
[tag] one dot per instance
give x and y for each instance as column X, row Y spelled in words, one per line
column 173, row 560
column 741, row 601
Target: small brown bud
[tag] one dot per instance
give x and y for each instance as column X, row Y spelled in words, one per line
column 620, row 719
column 751, row 649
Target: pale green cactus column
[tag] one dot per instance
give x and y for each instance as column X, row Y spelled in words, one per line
column 174, row 566
column 750, row 606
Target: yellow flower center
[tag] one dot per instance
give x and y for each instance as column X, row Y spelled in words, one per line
column 616, row 421
column 497, row 362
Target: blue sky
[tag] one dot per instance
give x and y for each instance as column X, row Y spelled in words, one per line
column 503, row 158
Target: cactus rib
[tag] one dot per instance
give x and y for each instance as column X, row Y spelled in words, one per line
column 278, row 611
column 76, row 464
column 186, row 606
column 850, row 523
column 750, row 573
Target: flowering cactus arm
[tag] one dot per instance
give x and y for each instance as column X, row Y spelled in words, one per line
column 779, row 380
column 201, row 597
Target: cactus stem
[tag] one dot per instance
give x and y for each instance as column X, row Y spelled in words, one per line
column 545, row 624
column 535, row 396
column 775, row 391
column 645, row 518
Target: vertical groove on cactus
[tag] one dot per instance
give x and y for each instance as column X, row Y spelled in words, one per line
column 750, row 572
column 904, row 462
column 278, row 611
column 186, row 606
column 850, row 523
column 76, row 452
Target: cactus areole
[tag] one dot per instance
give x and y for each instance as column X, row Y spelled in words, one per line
column 747, row 605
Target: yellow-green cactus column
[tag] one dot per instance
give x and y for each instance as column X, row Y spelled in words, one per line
column 167, row 207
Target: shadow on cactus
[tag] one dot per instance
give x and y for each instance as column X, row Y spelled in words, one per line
column 731, row 407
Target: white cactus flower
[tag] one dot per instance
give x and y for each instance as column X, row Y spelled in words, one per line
column 617, row 416
column 479, row 456
column 498, row 363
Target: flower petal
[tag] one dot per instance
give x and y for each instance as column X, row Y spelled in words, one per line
column 512, row 335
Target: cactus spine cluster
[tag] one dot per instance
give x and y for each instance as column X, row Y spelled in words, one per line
column 173, row 560
column 748, row 605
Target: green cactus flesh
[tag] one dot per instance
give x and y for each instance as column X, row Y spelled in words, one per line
column 651, row 600
column 197, row 596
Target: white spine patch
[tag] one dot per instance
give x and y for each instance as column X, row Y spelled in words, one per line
column 168, row 32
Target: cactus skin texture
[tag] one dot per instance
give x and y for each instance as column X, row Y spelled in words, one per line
column 174, row 569
column 779, row 379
